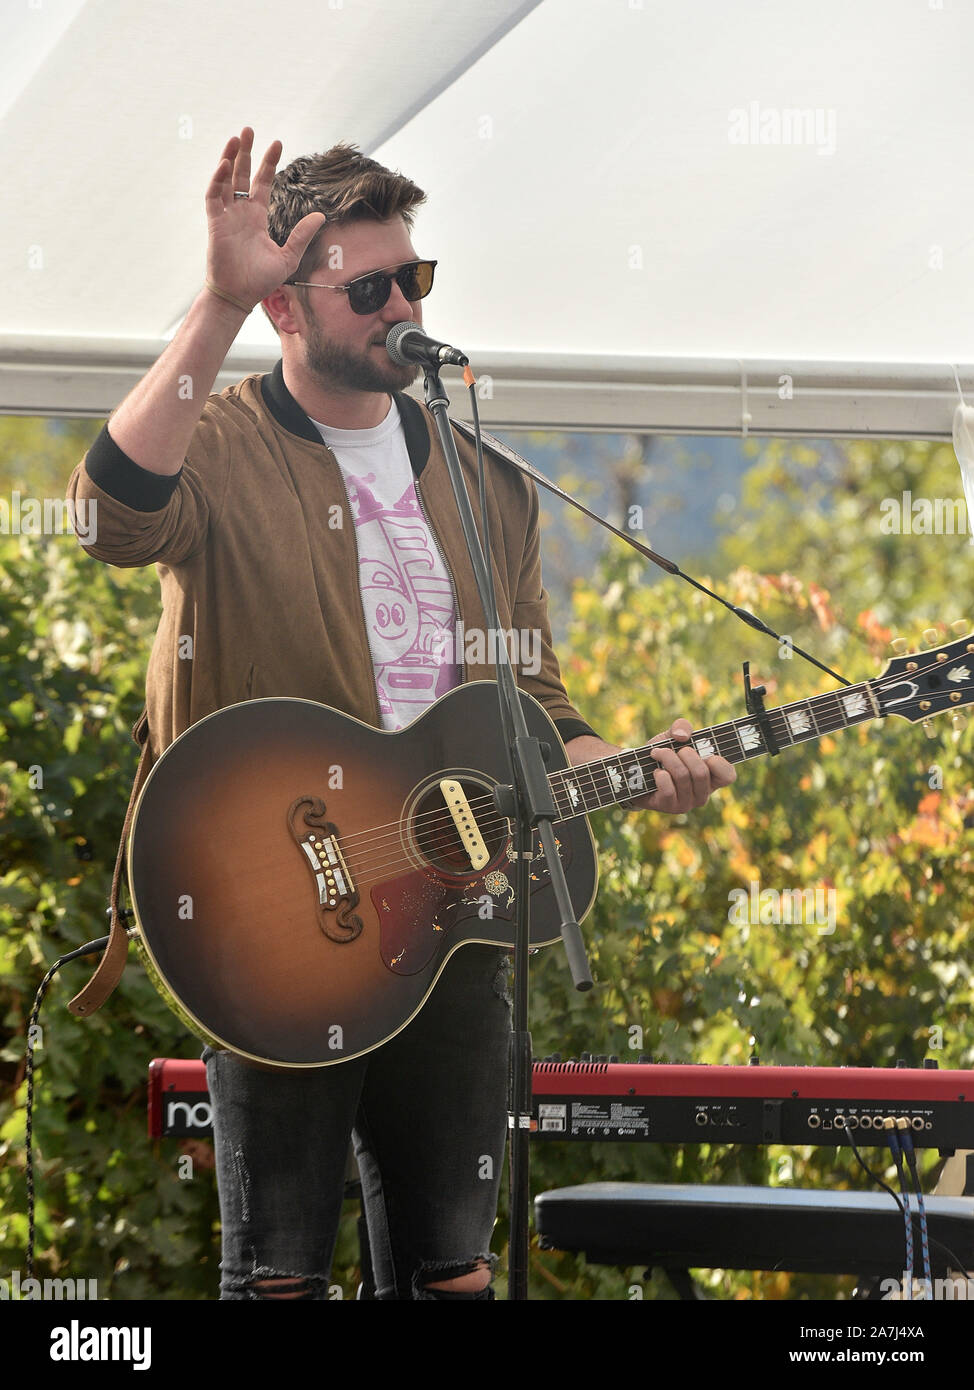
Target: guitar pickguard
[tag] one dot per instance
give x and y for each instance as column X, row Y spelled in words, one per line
column 499, row 881
column 417, row 910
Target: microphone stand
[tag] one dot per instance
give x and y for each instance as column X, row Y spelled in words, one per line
column 528, row 801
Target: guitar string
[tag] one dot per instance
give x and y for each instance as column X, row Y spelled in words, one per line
column 726, row 731
column 719, row 731
column 443, row 818
column 828, row 708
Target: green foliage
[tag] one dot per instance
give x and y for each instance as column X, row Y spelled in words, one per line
column 860, row 813
column 73, row 636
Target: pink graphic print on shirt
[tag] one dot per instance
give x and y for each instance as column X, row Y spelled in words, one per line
column 408, row 602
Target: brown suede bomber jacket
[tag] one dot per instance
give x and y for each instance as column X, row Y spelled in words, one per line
column 256, row 552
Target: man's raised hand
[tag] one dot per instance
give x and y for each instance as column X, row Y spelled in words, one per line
column 241, row 258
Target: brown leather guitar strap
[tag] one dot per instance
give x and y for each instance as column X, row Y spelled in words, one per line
column 112, row 963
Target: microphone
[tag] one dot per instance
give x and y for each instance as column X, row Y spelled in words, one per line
column 406, row 343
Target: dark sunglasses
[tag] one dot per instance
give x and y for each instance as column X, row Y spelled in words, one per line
column 369, row 293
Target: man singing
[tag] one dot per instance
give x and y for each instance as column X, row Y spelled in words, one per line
column 308, row 545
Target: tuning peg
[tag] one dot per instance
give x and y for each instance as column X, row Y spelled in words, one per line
column 931, row 636
column 960, row 626
column 928, row 728
column 899, row 645
column 959, row 721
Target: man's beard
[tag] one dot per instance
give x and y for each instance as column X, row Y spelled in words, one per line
column 341, row 368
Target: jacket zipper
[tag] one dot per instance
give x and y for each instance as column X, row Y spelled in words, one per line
column 358, row 589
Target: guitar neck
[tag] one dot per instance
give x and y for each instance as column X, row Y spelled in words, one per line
column 631, row 773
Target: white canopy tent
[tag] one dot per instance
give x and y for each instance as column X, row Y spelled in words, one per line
column 703, row 218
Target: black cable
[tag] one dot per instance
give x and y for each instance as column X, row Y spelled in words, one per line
column 906, row 1141
column 88, row 950
column 869, row 1172
column 669, row 566
column 892, row 1139
column 955, row 1261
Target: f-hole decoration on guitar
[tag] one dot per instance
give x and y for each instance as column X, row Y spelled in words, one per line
column 329, row 871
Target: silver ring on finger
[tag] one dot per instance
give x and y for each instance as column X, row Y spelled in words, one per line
column 240, row 195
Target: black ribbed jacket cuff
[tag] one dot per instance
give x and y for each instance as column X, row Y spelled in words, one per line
column 122, row 478
column 573, row 728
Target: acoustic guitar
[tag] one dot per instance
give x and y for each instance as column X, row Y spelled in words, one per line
column 300, row 879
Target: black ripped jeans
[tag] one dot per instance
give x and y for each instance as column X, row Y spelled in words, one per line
column 428, row 1114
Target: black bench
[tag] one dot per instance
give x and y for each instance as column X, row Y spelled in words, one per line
column 681, row 1227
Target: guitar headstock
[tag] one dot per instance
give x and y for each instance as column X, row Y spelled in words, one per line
column 918, row 685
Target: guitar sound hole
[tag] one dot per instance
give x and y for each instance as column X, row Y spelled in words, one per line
column 437, row 837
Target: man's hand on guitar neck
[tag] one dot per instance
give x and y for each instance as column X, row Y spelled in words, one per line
column 684, row 779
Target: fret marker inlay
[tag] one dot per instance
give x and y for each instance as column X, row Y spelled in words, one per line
column 854, row 704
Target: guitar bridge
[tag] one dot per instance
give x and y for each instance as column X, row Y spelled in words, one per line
column 330, row 870
column 336, row 890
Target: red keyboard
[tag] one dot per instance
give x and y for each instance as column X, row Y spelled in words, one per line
column 682, row 1104
column 751, row 1105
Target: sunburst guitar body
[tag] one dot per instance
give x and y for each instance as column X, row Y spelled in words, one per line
column 300, row 879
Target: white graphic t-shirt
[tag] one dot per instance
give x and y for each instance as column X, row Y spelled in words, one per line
column 407, row 593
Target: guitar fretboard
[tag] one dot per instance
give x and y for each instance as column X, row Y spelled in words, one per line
column 631, row 773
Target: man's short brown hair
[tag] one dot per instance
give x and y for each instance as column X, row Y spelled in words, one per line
column 347, row 187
